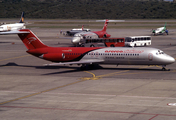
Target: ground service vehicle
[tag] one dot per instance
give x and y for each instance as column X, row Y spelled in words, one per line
column 103, row 42
column 138, row 41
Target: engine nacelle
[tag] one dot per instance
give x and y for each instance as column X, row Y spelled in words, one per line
column 107, row 35
column 54, row 57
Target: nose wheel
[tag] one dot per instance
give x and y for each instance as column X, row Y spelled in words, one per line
column 164, row 69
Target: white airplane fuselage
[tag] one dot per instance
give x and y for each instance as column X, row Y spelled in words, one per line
column 11, row 27
column 78, row 36
column 94, row 34
column 130, row 56
column 159, row 30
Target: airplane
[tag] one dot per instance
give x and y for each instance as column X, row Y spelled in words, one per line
column 160, row 30
column 94, row 34
column 14, row 26
column 72, row 32
column 90, row 55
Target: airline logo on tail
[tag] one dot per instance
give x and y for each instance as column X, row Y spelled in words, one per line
column 22, row 18
column 31, row 39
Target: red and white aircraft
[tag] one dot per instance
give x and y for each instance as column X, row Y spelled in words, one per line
column 74, row 31
column 93, row 34
column 90, row 55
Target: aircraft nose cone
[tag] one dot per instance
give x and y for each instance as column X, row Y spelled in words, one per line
column 75, row 40
column 171, row 60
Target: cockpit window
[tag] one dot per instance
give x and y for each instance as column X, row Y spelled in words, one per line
column 159, row 52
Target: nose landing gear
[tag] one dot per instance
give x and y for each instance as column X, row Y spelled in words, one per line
column 164, row 69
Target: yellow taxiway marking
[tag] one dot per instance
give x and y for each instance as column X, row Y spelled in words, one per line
column 14, row 58
column 90, row 78
column 40, row 92
column 146, row 66
column 94, row 77
column 110, row 74
column 117, row 73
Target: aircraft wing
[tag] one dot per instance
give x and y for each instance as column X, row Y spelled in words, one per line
column 88, row 61
column 110, row 20
column 13, row 32
column 65, row 37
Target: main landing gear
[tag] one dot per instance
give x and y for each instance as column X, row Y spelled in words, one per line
column 90, row 66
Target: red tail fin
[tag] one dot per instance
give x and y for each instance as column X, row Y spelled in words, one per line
column 105, row 25
column 30, row 40
column 82, row 27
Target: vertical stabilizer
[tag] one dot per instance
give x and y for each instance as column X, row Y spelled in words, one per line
column 105, row 25
column 82, row 27
column 165, row 25
column 22, row 18
column 30, row 40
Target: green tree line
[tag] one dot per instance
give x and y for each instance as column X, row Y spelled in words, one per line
column 88, row 9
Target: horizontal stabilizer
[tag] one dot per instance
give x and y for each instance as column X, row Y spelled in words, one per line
column 110, row 20
column 89, row 61
column 13, row 32
column 65, row 37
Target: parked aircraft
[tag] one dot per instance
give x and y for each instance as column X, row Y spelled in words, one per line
column 160, row 30
column 94, row 34
column 14, row 26
column 90, row 55
column 72, row 32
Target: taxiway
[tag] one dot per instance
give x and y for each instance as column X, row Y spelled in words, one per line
column 29, row 90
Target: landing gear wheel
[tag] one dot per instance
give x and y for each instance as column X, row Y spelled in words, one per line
column 83, row 67
column 82, row 45
column 112, row 45
column 164, row 69
column 92, row 45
